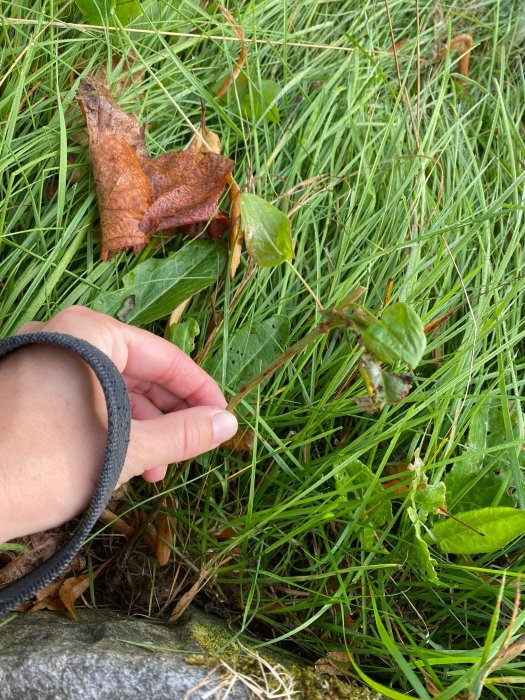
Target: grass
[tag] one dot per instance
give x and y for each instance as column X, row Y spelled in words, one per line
column 413, row 177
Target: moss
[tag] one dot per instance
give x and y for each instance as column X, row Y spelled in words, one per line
column 306, row 683
column 215, row 641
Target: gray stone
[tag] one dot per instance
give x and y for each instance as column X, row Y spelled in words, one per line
column 107, row 656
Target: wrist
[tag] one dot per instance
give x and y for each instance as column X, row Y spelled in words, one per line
column 52, row 438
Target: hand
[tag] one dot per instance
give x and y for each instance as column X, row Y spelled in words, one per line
column 53, row 424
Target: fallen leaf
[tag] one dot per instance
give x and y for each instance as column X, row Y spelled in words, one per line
column 188, row 597
column 44, row 547
column 236, row 232
column 463, row 43
column 71, row 589
column 335, row 663
column 164, row 534
column 242, row 441
column 139, row 195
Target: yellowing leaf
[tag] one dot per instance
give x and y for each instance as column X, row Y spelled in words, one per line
column 484, row 530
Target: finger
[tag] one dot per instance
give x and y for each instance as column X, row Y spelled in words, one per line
column 158, row 396
column 143, row 409
column 174, row 437
column 155, row 474
column 30, row 327
column 142, row 355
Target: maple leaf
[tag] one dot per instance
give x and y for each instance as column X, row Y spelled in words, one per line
column 138, row 195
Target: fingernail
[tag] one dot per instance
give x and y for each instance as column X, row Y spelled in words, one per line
column 224, row 426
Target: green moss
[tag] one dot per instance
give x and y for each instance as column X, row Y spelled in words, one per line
column 306, row 683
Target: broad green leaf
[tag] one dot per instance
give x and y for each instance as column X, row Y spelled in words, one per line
column 155, row 287
column 95, row 11
column 105, row 11
column 497, row 527
column 479, row 478
column 255, row 103
column 420, row 552
column 267, row 231
column 250, row 350
column 397, row 336
column 183, row 334
column 126, row 10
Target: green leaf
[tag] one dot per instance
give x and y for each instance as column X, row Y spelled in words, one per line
column 254, row 103
column 480, row 479
column 183, row 334
column 126, row 10
column 104, row 11
column 397, row 336
column 498, row 527
column 425, row 498
column 250, row 350
column 267, row 231
column 155, row 287
column 13, row 547
column 95, row 11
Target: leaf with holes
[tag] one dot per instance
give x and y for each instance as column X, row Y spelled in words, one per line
column 250, row 350
column 155, row 287
column 481, row 531
column 398, row 336
column 267, row 231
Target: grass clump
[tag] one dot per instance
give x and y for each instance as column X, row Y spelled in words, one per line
column 390, row 168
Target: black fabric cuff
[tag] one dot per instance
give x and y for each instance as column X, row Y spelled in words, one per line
column 119, row 423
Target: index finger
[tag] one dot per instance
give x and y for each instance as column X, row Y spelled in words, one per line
column 142, row 355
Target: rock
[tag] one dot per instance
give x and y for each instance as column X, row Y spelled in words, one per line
column 109, row 656
column 48, row 656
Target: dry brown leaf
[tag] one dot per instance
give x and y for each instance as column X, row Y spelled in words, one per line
column 117, row 524
column 71, row 589
column 51, row 603
column 335, row 663
column 463, row 43
column 164, row 526
column 236, row 232
column 188, row 597
column 44, row 547
column 138, row 195
column 242, row 441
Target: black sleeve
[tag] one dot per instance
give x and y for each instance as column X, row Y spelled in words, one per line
column 119, row 422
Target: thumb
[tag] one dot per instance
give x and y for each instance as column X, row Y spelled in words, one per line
column 174, row 437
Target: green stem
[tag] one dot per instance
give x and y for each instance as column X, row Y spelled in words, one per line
column 324, row 327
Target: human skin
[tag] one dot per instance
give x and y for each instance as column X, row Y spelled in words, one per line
column 53, row 423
